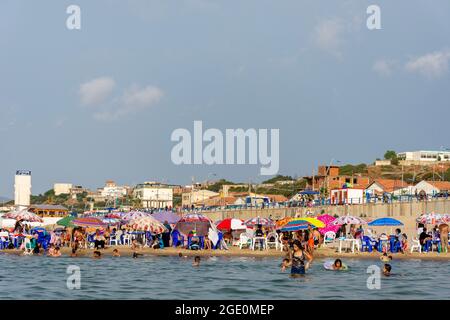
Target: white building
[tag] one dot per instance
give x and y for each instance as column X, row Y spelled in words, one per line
column 113, row 191
column 22, row 188
column 62, row 188
column 424, row 156
column 347, row 196
column 154, row 195
column 432, row 187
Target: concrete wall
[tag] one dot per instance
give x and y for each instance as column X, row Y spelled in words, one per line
column 406, row 212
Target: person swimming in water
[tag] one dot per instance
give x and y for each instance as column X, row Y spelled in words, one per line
column 196, row 262
column 337, row 265
column 387, row 270
column 299, row 259
column 97, row 255
column 116, row 253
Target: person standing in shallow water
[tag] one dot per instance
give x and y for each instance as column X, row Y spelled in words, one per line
column 299, row 259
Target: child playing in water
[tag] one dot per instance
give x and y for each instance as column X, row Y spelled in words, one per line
column 387, row 270
column 116, row 253
column 337, row 265
column 285, row 264
column 97, row 255
column 74, row 253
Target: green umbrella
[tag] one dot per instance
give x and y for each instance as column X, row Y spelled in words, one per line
column 66, row 222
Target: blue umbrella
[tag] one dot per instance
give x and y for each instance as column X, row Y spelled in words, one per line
column 383, row 222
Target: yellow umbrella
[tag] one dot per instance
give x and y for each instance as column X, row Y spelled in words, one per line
column 313, row 221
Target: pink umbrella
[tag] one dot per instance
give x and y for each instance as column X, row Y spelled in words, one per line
column 327, row 219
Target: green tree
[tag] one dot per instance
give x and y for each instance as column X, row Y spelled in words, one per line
column 390, row 155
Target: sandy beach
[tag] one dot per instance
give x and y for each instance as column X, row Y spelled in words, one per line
column 126, row 251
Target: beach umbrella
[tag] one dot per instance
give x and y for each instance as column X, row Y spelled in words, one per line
column 265, row 222
column 168, row 216
column 66, row 222
column 114, row 215
column 148, row 224
column 433, row 218
column 194, row 221
column 23, row 215
column 110, row 221
column 295, row 225
column 348, row 220
column 133, row 215
column 280, row 223
column 385, row 222
column 88, row 222
column 312, row 221
column 231, row 224
column 327, row 219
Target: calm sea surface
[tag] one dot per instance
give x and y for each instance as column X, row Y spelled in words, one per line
column 31, row 277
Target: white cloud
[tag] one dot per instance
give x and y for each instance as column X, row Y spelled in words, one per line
column 431, row 65
column 383, row 67
column 133, row 100
column 328, row 35
column 96, row 91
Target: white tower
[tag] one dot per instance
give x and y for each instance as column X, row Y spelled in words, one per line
column 22, row 188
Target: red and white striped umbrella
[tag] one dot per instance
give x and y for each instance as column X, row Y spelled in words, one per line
column 23, row 215
column 148, row 224
column 348, row 220
column 265, row 222
column 434, row 218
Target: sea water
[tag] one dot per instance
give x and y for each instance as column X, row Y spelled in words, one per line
column 157, row 277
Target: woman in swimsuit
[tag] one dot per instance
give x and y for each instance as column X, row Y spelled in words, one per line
column 299, row 259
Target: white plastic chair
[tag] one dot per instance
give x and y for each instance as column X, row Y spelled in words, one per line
column 329, row 237
column 416, row 246
column 244, row 240
column 127, row 239
column 113, row 240
column 274, row 242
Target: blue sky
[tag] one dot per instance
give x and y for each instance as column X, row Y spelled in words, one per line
column 84, row 106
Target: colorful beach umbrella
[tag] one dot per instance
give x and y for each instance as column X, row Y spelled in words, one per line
column 89, row 222
column 295, row 225
column 280, row 223
column 66, row 222
column 265, row 222
column 327, row 219
column 385, row 222
column 23, row 215
column 348, row 220
column 312, row 221
column 114, row 215
column 231, row 224
column 194, row 222
column 169, row 216
column 148, row 224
